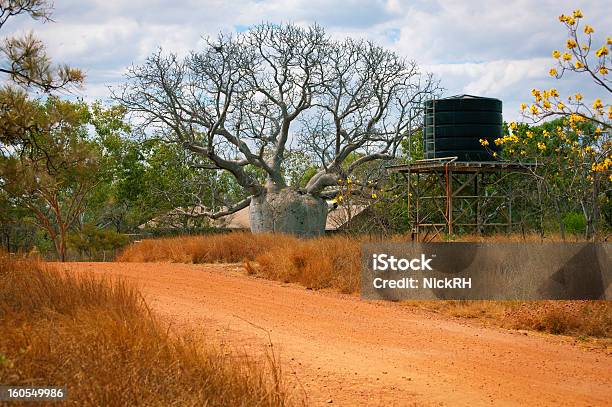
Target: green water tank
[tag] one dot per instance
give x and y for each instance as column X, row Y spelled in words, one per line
column 455, row 125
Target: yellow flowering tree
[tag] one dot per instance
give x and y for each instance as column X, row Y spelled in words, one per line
column 572, row 172
column 580, row 55
column 575, row 151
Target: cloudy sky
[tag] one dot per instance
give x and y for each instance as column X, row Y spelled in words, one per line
column 497, row 48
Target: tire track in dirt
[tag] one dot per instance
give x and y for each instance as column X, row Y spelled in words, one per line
column 369, row 353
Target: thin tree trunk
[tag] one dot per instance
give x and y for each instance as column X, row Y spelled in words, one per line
column 595, row 215
column 541, row 209
column 560, row 219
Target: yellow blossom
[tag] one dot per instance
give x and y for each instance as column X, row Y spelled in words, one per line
column 578, row 97
column 552, row 72
column 601, row 166
column 349, row 181
column 601, row 51
column 588, row 29
column 494, row 154
column 538, row 97
column 560, row 106
column 340, row 181
column 523, row 106
column 340, row 198
column 553, row 92
column 513, row 125
column 609, row 40
column 484, row 142
column 597, row 104
column 541, row 146
column 571, row 44
column 546, row 104
column 603, row 70
column 566, row 56
column 576, row 118
column 577, row 13
column 374, row 196
column 556, row 53
column 534, row 109
column 579, row 65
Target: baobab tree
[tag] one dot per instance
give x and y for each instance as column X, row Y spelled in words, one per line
column 244, row 100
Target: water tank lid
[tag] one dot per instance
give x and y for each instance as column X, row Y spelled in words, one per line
column 466, row 96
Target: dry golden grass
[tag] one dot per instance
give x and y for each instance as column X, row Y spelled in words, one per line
column 577, row 318
column 334, row 262
column 228, row 248
column 99, row 339
column 326, row 262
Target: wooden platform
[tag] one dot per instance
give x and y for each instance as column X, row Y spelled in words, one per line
column 450, row 164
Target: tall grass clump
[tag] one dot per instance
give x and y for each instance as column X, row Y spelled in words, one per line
column 578, row 318
column 559, row 317
column 98, row 338
column 217, row 248
column 325, row 262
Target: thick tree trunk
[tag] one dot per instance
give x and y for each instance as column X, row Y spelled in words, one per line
column 288, row 211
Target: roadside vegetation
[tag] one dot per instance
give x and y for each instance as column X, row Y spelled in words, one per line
column 333, row 262
column 100, row 339
column 581, row 319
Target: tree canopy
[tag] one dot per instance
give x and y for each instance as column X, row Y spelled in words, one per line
column 242, row 101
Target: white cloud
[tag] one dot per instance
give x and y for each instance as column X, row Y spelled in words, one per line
column 498, row 48
column 490, row 77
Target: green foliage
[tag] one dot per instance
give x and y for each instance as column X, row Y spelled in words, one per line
column 568, row 153
column 412, row 147
column 298, row 168
column 574, row 222
column 91, row 239
column 53, row 180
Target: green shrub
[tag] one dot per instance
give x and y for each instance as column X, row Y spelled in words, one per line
column 574, row 223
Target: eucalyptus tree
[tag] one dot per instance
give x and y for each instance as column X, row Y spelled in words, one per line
column 245, row 101
column 53, row 191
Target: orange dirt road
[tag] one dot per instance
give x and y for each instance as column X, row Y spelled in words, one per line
column 344, row 351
